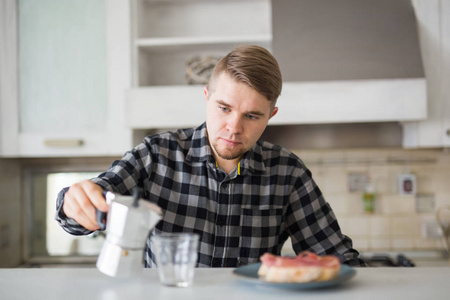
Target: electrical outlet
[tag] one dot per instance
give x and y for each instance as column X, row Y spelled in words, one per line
column 431, row 229
column 357, row 182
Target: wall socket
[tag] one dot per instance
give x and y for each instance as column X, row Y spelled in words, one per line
column 357, row 182
column 430, row 229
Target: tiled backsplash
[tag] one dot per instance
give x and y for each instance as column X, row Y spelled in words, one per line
column 396, row 224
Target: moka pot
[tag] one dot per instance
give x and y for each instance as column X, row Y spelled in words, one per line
column 128, row 223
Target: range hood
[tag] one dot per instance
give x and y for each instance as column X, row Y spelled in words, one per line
column 355, row 61
column 343, row 61
column 327, row 40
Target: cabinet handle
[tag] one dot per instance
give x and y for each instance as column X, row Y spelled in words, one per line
column 63, row 143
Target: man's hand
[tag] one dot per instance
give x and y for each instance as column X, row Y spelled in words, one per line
column 81, row 201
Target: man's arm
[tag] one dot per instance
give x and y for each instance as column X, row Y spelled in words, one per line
column 76, row 206
column 313, row 226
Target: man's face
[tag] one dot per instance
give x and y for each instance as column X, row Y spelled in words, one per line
column 236, row 116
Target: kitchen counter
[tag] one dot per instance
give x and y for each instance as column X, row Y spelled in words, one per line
column 368, row 283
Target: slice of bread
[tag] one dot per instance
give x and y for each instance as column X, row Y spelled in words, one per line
column 306, row 267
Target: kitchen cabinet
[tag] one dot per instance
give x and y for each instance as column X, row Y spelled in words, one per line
column 148, row 45
column 167, row 34
column 66, row 67
column 434, row 31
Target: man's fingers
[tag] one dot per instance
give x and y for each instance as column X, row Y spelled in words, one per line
column 73, row 210
column 81, row 201
column 85, row 204
column 95, row 194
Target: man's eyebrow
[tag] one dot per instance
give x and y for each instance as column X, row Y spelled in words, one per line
column 221, row 102
column 256, row 112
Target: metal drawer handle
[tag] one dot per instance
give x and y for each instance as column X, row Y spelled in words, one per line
column 63, row 143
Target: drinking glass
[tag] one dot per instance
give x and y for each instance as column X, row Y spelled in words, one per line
column 176, row 257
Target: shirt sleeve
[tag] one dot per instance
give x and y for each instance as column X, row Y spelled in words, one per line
column 133, row 170
column 312, row 224
column 122, row 176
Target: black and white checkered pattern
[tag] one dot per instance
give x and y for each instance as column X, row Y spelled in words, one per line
column 239, row 216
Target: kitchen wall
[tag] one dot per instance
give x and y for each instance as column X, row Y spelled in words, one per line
column 396, row 224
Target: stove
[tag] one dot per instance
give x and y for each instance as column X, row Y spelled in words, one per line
column 387, row 260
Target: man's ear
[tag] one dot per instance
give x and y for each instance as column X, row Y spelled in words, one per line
column 274, row 112
column 205, row 90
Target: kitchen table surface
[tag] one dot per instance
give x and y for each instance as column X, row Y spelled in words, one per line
column 89, row 283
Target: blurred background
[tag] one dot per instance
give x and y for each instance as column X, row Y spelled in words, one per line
column 364, row 104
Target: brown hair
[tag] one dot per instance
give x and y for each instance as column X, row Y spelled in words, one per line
column 253, row 66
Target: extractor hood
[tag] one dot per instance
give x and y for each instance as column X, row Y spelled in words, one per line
column 327, row 40
column 354, row 61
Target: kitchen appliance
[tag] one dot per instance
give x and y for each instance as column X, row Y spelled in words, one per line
column 128, row 222
column 388, row 260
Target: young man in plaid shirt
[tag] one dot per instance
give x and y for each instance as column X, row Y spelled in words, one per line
column 243, row 196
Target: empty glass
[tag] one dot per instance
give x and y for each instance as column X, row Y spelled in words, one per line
column 176, row 257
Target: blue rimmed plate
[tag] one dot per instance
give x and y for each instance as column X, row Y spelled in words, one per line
column 250, row 273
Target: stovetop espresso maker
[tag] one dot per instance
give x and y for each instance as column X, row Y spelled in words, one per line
column 128, row 223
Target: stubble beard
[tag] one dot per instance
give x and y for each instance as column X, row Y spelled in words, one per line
column 228, row 156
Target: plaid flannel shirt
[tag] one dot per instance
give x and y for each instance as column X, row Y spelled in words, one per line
column 267, row 198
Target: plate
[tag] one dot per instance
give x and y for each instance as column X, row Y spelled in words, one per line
column 250, row 273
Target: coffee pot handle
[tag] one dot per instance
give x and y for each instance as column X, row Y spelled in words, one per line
column 101, row 216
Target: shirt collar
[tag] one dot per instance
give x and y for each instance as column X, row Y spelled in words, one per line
column 253, row 160
column 200, row 150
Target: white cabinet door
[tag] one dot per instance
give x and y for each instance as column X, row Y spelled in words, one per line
column 73, row 68
column 434, row 31
column 9, row 118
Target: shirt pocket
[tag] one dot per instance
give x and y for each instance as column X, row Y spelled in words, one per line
column 260, row 231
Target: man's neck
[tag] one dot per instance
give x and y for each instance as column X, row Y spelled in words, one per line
column 227, row 165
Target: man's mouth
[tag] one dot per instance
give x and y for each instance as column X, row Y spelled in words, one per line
column 230, row 142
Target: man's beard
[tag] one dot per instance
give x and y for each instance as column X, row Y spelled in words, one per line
column 228, row 156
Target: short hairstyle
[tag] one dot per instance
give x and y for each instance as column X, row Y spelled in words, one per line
column 253, row 66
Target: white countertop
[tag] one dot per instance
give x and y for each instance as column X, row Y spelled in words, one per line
column 368, row 283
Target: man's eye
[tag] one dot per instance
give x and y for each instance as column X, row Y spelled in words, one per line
column 224, row 109
column 252, row 117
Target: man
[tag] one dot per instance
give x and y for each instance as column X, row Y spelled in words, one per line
column 244, row 197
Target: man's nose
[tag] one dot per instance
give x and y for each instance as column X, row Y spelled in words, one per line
column 234, row 125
